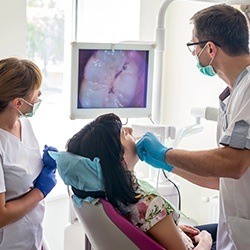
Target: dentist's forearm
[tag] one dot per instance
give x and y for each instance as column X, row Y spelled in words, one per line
column 202, row 181
column 221, row 162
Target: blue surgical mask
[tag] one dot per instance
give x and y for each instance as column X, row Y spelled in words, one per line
column 206, row 70
column 33, row 110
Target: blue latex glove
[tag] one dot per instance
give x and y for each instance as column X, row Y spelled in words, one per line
column 48, row 161
column 45, row 181
column 150, row 150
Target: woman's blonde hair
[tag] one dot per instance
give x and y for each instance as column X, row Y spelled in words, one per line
column 18, row 78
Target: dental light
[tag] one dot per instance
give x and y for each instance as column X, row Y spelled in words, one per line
column 209, row 113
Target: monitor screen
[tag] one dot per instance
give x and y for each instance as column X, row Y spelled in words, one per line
column 111, row 78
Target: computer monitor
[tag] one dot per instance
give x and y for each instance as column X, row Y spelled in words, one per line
column 114, row 78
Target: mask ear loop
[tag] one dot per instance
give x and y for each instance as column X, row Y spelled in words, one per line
column 20, row 113
column 28, row 102
column 17, row 107
column 198, row 56
column 211, row 61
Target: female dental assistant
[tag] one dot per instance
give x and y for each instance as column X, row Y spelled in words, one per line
column 24, row 178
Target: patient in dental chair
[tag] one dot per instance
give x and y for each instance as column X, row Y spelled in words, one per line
column 114, row 146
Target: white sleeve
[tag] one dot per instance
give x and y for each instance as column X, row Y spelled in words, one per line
column 237, row 133
column 2, row 183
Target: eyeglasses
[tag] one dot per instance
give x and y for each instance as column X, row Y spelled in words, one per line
column 192, row 49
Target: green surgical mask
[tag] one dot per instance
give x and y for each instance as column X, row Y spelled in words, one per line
column 33, row 110
column 206, row 70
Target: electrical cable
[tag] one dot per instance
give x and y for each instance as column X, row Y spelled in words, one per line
column 151, row 120
column 157, row 179
column 157, row 182
column 126, row 122
column 177, row 189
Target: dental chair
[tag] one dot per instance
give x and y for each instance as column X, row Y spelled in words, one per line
column 107, row 229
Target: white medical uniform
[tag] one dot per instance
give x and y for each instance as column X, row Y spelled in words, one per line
column 20, row 164
column 234, row 131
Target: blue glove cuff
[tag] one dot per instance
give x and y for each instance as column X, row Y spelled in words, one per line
column 167, row 167
column 170, row 167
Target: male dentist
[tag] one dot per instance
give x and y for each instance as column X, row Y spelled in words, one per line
column 221, row 45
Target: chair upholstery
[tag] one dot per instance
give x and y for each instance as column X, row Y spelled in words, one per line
column 107, row 229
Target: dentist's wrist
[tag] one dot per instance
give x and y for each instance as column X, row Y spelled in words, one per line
column 168, row 155
column 168, row 159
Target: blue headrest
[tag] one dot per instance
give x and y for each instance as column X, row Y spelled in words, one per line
column 79, row 172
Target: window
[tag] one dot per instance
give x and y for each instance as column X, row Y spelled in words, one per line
column 45, row 46
column 49, row 33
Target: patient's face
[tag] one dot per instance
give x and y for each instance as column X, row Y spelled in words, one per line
column 128, row 142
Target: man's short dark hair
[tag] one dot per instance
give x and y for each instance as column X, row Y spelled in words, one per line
column 224, row 25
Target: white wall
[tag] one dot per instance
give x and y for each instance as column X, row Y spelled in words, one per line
column 184, row 87
column 13, row 28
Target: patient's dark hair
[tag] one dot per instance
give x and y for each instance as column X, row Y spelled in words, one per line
column 101, row 138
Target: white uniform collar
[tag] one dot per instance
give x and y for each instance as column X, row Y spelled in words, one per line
column 226, row 91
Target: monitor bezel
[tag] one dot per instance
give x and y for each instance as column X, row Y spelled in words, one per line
column 89, row 113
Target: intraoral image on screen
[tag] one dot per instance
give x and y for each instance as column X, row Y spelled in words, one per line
column 112, row 79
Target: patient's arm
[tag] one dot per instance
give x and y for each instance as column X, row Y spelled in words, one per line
column 207, row 182
column 166, row 233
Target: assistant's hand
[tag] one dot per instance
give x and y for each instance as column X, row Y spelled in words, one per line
column 150, row 150
column 48, row 161
column 45, row 181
